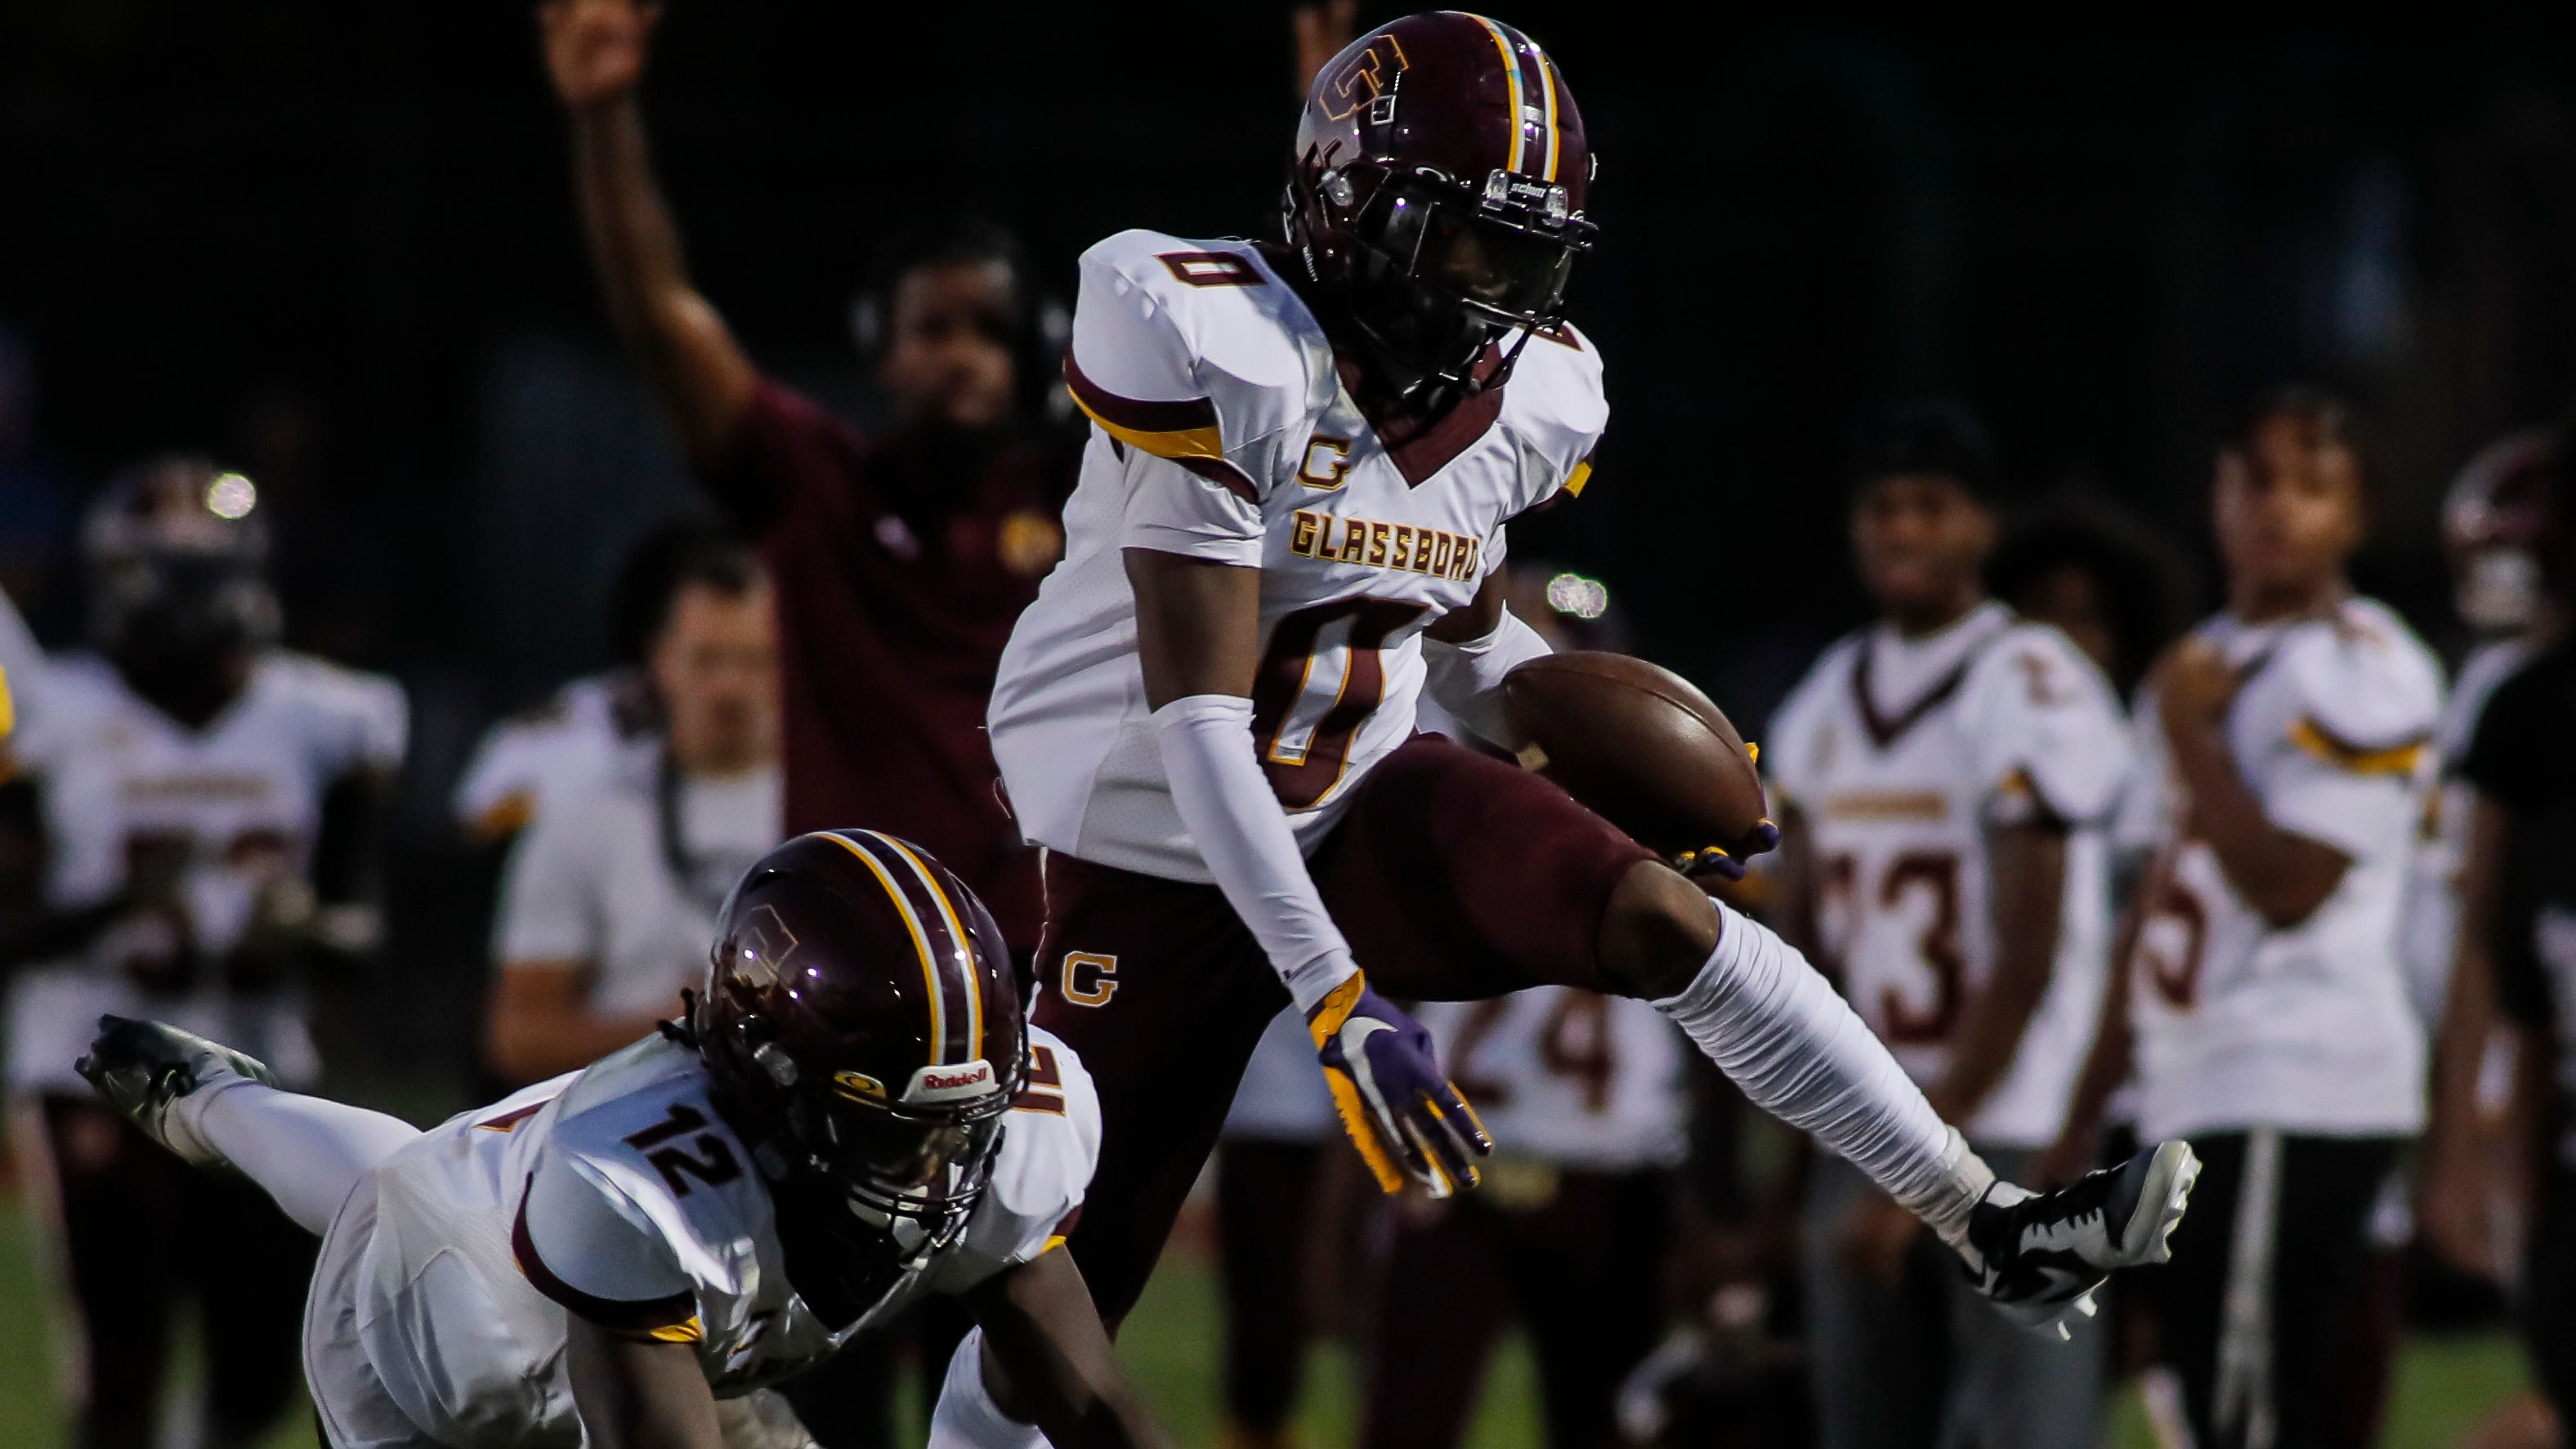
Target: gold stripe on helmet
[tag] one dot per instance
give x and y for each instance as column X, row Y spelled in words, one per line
column 1547, row 82
column 957, row 933
column 920, row 940
column 1511, row 73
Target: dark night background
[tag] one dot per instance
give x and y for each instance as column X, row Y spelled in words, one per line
column 333, row 244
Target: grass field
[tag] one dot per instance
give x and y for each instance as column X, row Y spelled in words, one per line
column 2443, row 1385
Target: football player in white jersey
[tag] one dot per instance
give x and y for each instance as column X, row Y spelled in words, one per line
column 1288, row 524
column 854, row 1116
column 1948, row 771
column 2287, row 746
column 202, row 804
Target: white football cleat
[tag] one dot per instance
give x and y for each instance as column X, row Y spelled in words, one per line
column 2038, row 1255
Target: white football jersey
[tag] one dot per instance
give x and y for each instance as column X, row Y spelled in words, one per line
column 1223, row 432
column 2432, row 922
column 619, row 1190
column 1900, row 755
column 583, row 734
column 240, row 802
column 1568, row 1077
column 2307, row 1028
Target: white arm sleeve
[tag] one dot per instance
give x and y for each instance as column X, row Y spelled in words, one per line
column 1799, row 1052
column 1243, row 835
column 1467, row 679
column 966, row 1416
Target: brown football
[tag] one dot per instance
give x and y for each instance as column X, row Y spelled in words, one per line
column 1640, row 746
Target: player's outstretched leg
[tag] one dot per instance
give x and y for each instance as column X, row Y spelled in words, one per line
column 1754, row 1005
column 218, row 1108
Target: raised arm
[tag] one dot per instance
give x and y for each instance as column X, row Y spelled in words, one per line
column 595, row 53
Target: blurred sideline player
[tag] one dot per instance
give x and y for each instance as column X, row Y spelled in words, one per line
column 2100, row 578
column 1947, row 772
column 2285, row 748
column 901, row 560
column 203, row 806
column 593, row 725
column 1303, row 458
column 852, row 1118
column 2491, row 524
column 2517, row 964
column 2494, row 1175
column 610, row 899
column 1585, row 1094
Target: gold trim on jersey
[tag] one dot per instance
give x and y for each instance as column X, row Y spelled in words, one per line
column 2397, row 759
column 1370, row 543
column 1184, row 443
column 1887, row 805
column 1575, row 480
column 691, row 1331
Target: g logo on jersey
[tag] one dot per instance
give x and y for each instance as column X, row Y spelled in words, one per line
column 1089, row 979
column 1327, row 462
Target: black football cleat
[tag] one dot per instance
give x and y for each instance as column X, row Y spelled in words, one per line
column 2040, row 1254
column 141, row 1067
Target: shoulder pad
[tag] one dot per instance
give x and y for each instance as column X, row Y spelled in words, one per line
column 1555, row 401
column 2365, row 687
column 1193, row 349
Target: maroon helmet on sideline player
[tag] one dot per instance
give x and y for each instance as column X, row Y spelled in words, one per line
column 1437, row 192
column 2493, row 520
column 860, row 1007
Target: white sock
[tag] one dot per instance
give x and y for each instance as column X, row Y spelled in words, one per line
column 1798, row 1050
column 308, row 1152
column 966, row 1416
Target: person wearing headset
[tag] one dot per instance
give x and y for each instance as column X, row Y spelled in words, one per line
column 902, row 555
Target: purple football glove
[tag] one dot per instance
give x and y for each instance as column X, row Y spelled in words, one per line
column 1729, row 863
column 1405, row 1117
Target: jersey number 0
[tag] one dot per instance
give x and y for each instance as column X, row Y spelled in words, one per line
column 1324, row 675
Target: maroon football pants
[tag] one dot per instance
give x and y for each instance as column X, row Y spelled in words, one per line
column 1455, row 877
column 1581, row 1273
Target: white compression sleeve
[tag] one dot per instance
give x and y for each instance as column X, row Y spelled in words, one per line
column 1798, row 1050
column 966, row 1416
column 308, row 1152
column 1226, row 802
column 1467, row 679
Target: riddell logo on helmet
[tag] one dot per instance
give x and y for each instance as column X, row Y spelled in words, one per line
column 949, row 1084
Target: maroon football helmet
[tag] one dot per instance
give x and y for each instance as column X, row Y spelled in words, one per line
column 1437, row 193
column 2494, row 521
column 860, row 1010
